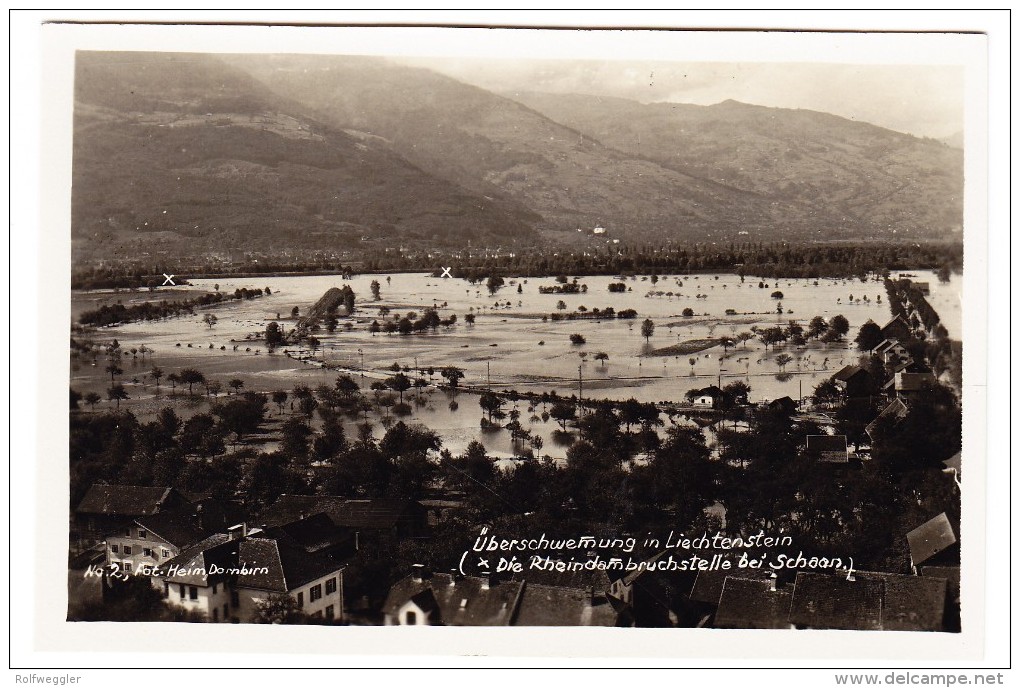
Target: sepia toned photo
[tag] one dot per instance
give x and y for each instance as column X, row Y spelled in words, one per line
column 414, row 339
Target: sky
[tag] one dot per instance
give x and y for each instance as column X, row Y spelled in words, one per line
column 922, row 100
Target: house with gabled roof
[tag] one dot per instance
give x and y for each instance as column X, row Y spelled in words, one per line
column 108, row 508
column 386, row 518
column 452, row 599
column 909, row 385
column 230, row 577
column 826, row 601
column 149, row 541
column 753, row 603
column 891, row 352
column 868, row 601
column 197, row 579
column 449, row 599
column 897, row 328
column 910, row 603
column 894, row 412
column 852, row 380
column 934, row 543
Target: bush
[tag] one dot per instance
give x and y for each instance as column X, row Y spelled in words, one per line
column 577, row 339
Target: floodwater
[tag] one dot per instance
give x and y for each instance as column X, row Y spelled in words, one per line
column 510, row 347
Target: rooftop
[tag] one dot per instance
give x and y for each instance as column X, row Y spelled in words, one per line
column 123, row 500
column 930, row 538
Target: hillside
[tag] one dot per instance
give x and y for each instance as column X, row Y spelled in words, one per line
column 499, row 147
column 852, row 177
column 183, row 153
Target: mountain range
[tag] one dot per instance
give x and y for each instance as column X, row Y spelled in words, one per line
column 290, row 153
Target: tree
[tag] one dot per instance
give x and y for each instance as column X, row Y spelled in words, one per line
column 817, row 327
column 453, row 375
column 279, row 398
column 839, row 325
column 772, row 336
column 399, row 383
column 209, row 319
column 687, row 312
column 191, row 377
column 113, row 369
column 777, row 294
column 827, row 392
column 92, row 399
column 375, row 287
column 647, row 329
column 295, row 312
column 562, row 412
column 174, row 379
column 239, row 417
column 869, row 336
column 494, row 283
column 469, row 318
column 602, row 356
column 236, row 384
column 274, row 337
column 943, row 274
column 743, row 338
column 577, row 339
column 561, row 305
column 492, row 404
column 782, row 360
column 116, row 393
column 156, row 373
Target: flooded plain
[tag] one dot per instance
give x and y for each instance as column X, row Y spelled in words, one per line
column 510, row 345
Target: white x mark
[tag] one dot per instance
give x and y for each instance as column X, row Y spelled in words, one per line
column 446, row 273
column 483, row 563
column 169, row 280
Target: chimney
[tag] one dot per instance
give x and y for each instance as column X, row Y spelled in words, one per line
column 489, row 580
column 199, row 521
column 455, row 577
column 238, row 531
column 772, row 581
column 418, row 573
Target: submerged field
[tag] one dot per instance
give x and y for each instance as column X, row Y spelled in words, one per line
column 509, row 346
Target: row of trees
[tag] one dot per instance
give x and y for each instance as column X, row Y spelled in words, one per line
column 118, row 313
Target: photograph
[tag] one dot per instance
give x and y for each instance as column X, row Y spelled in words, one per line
column 370, row 327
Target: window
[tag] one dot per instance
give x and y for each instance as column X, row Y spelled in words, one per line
column 411, row 619
column 235, row 599
column 331, row 586
column 127, row 532
column 114, row 548
column 314, row 593
column 126, row 565
column 182, row 592
column 214, row 588
column 142, row 534
column 226, row 611
column 193, row 593
column 127, row 549
column 216, row 614
column 164, row 552
column 146, row 552
column 317, row 615
column 329, row 612
column 300, row 599
column 166, row 590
